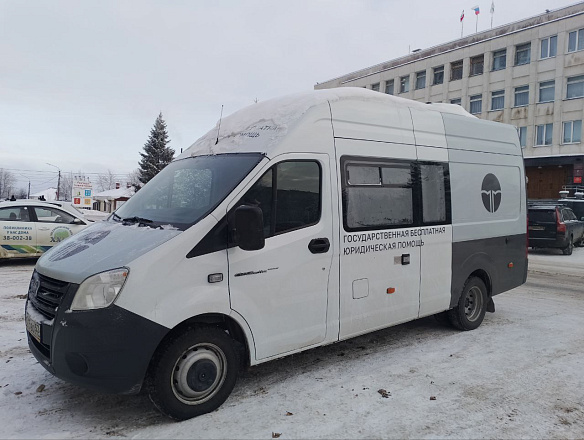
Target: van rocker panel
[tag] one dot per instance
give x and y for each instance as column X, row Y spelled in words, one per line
column 108, row 350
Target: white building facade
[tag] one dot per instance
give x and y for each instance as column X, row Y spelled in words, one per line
column 529, row 74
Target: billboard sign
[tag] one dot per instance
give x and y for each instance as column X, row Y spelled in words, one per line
column 82, row 196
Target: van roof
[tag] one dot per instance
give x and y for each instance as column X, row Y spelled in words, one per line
column 273, row 118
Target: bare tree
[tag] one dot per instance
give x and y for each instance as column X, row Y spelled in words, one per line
column 106, row 181
column 7, row 181
column 66, row 191
column 134, row 179
column 21, row 193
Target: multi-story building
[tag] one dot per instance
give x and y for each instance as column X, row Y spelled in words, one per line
column 529, row 74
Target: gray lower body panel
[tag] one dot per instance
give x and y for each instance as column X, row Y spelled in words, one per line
column 500, row 261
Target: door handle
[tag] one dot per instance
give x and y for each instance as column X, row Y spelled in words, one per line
column 319, row 245
column 44, row 229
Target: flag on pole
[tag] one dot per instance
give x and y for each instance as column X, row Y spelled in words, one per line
column 492, row 7
column 477, row 10
column 462, row 15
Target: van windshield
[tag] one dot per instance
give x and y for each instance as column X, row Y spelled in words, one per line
column 186, row 190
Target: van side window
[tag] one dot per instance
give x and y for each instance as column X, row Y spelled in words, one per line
column 378, row 195
column 289, row 195
column 434, row 209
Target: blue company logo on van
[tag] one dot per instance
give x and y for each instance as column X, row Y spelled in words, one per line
column 491, row 192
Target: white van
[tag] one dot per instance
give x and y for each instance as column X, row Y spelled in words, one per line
column 295, row 223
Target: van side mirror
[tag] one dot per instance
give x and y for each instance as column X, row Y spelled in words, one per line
column 77, row 221
column 249, row 228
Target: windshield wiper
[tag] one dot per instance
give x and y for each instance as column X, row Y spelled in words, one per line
column 116, row 217
column 135, row 219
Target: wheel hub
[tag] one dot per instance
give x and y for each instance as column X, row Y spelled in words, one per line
column 202, row 375
column 198, row 374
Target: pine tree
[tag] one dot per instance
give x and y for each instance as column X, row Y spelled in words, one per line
column 156, row 154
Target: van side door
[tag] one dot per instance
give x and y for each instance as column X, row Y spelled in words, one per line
column 380, row 256
column 282, row 289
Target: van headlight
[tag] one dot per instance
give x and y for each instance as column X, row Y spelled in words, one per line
column 99, row 291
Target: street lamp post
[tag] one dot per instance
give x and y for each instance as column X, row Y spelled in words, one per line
column 59, row 179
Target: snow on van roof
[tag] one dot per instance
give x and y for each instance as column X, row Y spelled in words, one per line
column 272, row 119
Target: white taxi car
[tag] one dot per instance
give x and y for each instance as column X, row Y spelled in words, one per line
column 28, row 228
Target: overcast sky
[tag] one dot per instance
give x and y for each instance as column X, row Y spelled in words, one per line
column 82, row 82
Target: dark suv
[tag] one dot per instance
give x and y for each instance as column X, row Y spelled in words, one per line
column 554, row 226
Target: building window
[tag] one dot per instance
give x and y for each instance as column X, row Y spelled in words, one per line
column 457, row 101
column 476, row 65
column 438, row 75
column 404, row 84
column 576, row 40
column 549, row 47
column 522, row 132
column 547, row 91
column 389, row 87
column 575, row 87
column 498, row 100
column 544, row 134
column 476, row 104
column 572, row 132
column 500, row 59
column 456, row 70
column 420, row 79
column 375, row 87
column 521, row 96
column 523, row 54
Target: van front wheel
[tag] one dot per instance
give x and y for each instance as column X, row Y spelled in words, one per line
column 193, row 373
column 472, row 305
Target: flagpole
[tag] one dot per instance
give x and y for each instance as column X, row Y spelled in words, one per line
column 492, row 12
column 477, row 25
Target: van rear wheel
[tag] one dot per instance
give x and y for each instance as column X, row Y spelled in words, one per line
column 193, row 373
column 472, row 305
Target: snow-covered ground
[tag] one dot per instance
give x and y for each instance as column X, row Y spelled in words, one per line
column 520, row 375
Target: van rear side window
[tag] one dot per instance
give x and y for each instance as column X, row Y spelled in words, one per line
column 379, row 194
column 387, row 203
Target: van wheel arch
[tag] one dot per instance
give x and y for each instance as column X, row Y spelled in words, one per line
column 224, row 322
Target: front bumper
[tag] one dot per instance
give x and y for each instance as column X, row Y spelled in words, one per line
column 106, row 349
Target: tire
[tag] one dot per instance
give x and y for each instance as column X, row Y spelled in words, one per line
column 570, row 248
column 472, row 305
column 193, row 373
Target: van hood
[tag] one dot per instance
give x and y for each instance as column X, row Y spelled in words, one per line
column 100, row 247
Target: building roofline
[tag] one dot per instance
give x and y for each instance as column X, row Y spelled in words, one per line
column 470, row 40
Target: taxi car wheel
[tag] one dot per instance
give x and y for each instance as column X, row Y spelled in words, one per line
column 193, row 373
column 472, row 305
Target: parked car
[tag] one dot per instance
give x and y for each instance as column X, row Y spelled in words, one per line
column 28, row 228
column 554, row 226
column 575, row 204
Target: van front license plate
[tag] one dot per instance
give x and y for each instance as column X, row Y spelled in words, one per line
column 536, row 228
column 33, row 327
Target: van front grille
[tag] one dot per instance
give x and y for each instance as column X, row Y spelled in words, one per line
column 46, row 294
